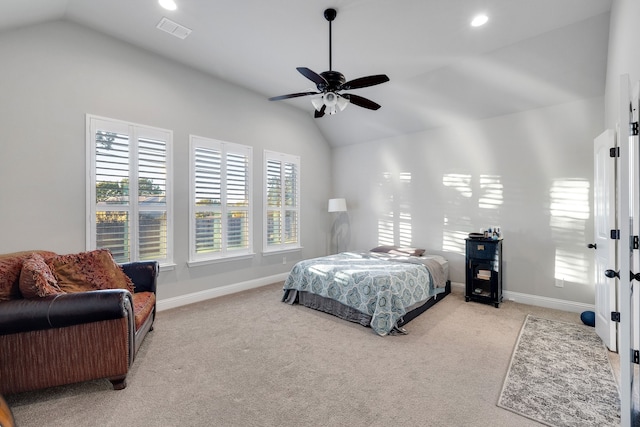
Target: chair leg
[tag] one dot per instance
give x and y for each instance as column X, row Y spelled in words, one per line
column 119, row 383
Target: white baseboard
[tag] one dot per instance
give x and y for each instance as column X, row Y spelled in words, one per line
column 168, row 303
column 554, row 303
column 179, row 301
column 557, row 304
column 457, row 285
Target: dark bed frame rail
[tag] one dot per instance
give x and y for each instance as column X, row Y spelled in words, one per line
column 424, row 307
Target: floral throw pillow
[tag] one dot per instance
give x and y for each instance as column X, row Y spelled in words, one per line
column 88, row 271
column 36, row 278
column 10, row 268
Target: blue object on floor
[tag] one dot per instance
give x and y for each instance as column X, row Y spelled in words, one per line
column 588, row 318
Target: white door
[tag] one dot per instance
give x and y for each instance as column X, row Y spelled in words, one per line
column 604, row 205
column 626, row 174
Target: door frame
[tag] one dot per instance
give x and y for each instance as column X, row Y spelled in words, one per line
column 626, row 254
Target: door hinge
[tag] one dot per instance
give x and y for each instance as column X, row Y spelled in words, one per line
column 614, row 152
column 636, row 357
column 635, row 242
column 632, row 276
column 615, row 316
column 633, row 128
column 615, row 234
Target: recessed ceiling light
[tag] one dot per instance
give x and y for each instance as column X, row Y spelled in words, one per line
column 479, row 20
column 168, row 4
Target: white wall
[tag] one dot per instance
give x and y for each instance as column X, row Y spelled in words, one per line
column 531, row 173
column 623, row 58
column 528, row 151
column 53, row 74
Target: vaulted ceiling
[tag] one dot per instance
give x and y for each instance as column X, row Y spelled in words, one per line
column 442, row 71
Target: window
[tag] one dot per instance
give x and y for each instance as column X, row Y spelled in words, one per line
column 220, row 217
column 282, row 202
column 129, row 190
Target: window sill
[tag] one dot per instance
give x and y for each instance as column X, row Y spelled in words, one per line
column 198, row 263
column 167, row 267
column 281, row 251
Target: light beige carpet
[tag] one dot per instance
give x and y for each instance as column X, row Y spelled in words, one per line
column 249, row 360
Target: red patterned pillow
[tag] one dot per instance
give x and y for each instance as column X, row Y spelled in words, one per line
column 88, row 271
column 10, row 267
column 36, row 279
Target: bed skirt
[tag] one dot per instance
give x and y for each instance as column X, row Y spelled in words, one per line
column 317, row 302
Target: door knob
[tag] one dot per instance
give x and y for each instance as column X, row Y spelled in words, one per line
column 592, row 246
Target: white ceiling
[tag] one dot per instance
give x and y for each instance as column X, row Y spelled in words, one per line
column 532, row 53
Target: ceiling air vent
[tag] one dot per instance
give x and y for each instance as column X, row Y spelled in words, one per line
column 173, row 28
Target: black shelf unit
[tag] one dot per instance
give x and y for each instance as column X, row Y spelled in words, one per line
column 484, row 271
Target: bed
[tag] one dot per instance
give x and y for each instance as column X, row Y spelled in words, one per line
column 384, row 288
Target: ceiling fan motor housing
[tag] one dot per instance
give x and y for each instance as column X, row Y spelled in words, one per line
column 334, row 79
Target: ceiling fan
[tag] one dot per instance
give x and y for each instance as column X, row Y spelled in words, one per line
column 330, row 83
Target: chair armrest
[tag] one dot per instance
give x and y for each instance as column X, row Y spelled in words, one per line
column 143, row 274
column 62, row 310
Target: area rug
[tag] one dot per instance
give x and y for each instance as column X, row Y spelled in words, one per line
column 560, row 375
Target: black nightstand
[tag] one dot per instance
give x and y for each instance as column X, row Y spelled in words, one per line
column 484, row 271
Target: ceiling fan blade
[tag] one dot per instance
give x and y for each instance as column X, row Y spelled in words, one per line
column 291, row 95
column 360, row 101
column 313, row 76
column 365, row 82
column 317, row 114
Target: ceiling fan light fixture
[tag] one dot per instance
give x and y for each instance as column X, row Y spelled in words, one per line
column 330, row 99
column 334, row 102
column 342, row 103
column 317, row 103
column 331, row 102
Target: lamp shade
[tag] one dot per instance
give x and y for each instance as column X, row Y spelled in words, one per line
column 337, row 205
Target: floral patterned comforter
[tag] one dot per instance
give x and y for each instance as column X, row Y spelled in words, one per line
column 383, row 287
